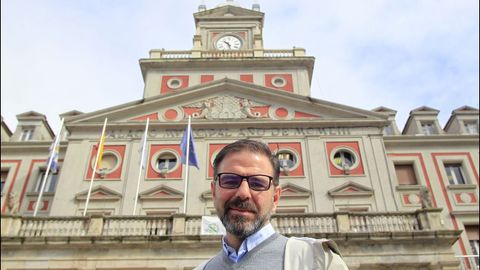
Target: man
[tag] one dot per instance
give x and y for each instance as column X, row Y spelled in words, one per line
column 246, row 192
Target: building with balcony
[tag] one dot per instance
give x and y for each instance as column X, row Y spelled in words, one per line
column 390, row 199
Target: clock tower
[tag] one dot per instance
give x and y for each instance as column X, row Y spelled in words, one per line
column 228, row 27
column 228, row 44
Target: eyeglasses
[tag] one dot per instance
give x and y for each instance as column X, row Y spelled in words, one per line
column 257, row 182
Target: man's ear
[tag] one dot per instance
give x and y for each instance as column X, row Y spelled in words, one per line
column 276, row 196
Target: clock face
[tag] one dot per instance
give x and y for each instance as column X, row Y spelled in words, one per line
column 228, row 43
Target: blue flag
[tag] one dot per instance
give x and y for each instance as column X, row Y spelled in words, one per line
column 54, row 151
column 192, row 156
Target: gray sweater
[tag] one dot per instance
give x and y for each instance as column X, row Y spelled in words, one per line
column 269, row 254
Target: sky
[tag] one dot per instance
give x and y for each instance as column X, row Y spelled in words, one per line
column 63, row 55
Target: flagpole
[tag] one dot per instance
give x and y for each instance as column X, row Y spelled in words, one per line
column 187, row 158
column 95, row 168
column 144, row 148
column 50, row 160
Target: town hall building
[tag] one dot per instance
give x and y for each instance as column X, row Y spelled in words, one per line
column 390, row 198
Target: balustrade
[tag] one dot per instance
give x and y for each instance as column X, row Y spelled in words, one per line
column 55, row 226
column 363, row 222
column 191, row 225
column 225, row 54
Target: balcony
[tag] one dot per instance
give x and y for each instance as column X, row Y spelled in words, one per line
column 401, row 239
column 295, row 52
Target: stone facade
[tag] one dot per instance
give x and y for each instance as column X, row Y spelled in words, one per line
column 390, row 198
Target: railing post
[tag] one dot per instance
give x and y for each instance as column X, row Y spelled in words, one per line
column 258, row 52
column 430, row 218
column 178, row 227
column 95, row 225
column 343, row 221
column 11, row 225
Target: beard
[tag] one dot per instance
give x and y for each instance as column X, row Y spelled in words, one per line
column 239, row 225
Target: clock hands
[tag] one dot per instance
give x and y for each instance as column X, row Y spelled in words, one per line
column 229, row 46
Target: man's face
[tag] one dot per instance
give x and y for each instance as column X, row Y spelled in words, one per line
column 244, row 211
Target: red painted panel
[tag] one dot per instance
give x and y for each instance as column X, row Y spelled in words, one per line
column 114, row 175
column 281, row 112
column 206, row 78
column 352, row 146
column 14, row 178
column 287, row 77
column 164, row 87
column 246, row 78
column 31, row 205
column 212, row 149
column 189, row 111
column 305, row 115
column 152, row 116
column 262, row 110
column 154, row 149
column 297, row 147
column 171, row 114
column 29, row 173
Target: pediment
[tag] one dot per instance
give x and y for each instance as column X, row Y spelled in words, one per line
column 226, row 11
column 385, row 110
column 351, row 189
column 465, row 109
column 294, row 191
column 99, row 193
column 226, row 100
column 424, row 110
column 161, row 192
column 31, row 115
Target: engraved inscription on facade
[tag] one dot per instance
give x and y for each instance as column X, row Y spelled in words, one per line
column 226, row 132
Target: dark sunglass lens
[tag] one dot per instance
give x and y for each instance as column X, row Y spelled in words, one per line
column 230, row 180
column 259, row 182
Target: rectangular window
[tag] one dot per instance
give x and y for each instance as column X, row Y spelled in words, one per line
column 472, row 234
column 3, row 179
column 428, row 128
column 27, row 134
column 471, row 127
column 51, row 183
column 406, row 174
column 454, row 174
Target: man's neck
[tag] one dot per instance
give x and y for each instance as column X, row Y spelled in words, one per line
column 235, row 242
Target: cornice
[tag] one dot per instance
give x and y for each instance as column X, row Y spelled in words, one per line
column 434, row 139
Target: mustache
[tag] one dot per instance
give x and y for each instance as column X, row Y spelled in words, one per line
column 240, row 204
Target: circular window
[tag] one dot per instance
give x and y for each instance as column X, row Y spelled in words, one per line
column 288, row 160
column 344, row 159
column 174, row 83
column 165, row 162
column 278, row 81
column 110, row 162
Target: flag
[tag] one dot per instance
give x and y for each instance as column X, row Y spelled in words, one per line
column 53, row 156
column 192, row 156
column 99, row 147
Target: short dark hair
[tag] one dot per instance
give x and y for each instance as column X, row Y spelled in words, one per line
column 250, row 146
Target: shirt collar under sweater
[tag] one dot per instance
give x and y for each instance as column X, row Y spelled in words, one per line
column 248, row 244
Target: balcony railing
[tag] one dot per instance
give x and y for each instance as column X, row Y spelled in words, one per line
column 179, row 224
column 226, row 54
